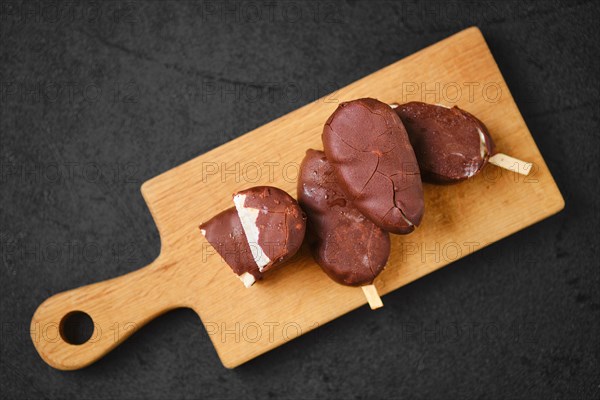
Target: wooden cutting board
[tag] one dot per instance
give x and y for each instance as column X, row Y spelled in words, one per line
column 244, row 323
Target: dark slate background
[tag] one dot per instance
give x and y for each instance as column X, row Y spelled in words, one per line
column 98, row 97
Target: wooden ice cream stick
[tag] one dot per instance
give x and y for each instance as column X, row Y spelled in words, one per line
column 372, row 296
column 510, row 163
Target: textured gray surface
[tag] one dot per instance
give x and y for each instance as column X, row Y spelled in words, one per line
column 126, row 91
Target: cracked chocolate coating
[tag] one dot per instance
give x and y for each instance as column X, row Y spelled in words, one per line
column 224, row 232
column 281, row 222
column 374, row 163
column 350, row 248
column 447, row 141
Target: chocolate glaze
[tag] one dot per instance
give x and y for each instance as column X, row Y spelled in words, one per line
column 448, row 142
column 350, row 248
column 224, row 232
column 280, row 223
column 374, row 163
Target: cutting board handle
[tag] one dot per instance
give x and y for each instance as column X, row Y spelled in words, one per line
column 118, row 307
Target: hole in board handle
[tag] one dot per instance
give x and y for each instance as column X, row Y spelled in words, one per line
column 76, row 327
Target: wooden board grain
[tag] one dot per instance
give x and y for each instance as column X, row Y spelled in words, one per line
column 244, row 323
